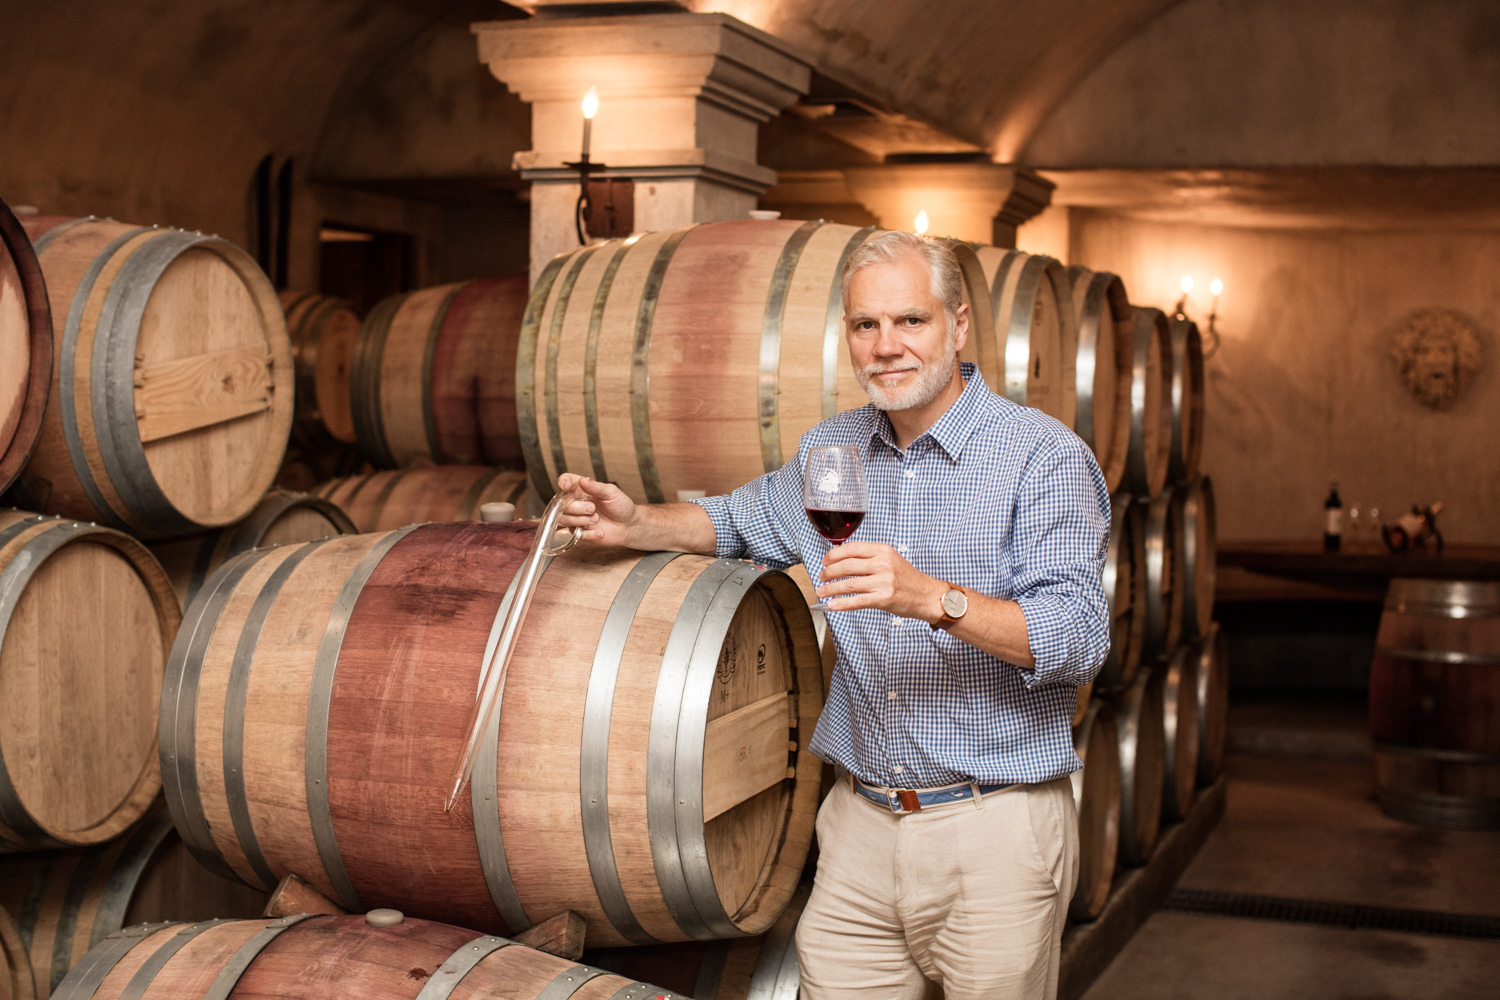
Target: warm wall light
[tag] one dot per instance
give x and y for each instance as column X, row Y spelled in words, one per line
column 1216, row 286
column 1187, row 283
column 590, row 109
column 919, row 226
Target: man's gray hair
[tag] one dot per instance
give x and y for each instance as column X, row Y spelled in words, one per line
column 892, row 245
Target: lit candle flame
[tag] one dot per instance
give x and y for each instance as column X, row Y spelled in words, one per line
column 1187, row 283
column 920, row 225
column 1216, row 286
column 591, row 103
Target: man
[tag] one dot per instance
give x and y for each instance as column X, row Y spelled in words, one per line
column 966, row 609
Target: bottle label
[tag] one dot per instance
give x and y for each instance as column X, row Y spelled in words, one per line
column 1333, row 521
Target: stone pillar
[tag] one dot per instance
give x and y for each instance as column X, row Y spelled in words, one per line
column 976, row 201
column 681, row 100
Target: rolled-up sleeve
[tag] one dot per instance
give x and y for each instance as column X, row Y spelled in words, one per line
column 1059, row 543
column 752, row 521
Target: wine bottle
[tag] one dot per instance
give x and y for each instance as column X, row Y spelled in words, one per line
column 1333, row 519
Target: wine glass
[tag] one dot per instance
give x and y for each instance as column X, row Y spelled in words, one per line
column 833, row 494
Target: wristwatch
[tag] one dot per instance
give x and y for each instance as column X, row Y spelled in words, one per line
column 955, row 604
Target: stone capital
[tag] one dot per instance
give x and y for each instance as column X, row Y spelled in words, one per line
column 975, row 201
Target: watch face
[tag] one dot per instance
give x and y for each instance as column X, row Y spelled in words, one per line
column 955, row 603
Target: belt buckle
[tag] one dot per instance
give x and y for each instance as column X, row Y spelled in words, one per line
column 908, row 799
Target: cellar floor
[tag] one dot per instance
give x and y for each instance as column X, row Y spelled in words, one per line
column 1301, row 823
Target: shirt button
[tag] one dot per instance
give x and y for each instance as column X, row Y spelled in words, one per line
column 898, row 769
column 891, row 696
column 911, row 475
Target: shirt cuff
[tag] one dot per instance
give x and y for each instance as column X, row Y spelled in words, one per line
column 727, row 544
column 1047, row 634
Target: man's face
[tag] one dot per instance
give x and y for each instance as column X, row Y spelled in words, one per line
column 899, row 343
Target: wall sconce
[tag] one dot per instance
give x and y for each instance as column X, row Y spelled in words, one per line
column 585, row 167
column 1210, row 332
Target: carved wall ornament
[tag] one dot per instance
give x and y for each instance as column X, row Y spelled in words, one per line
column 1437, row 351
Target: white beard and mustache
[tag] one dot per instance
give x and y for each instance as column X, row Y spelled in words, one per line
column 930, row 380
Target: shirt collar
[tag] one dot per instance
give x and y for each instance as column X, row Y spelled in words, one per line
column 954, row 427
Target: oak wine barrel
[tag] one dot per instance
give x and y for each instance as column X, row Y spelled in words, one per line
column 172, row 383
column 1096, row 794
column 383, row 954
column 1148, row 458
column 1036, row 333
column 1125, row 590
column 86, row 619
column 1105, row 320
column 1164, row 574
column 69, row 901
column 1213, row 702
column 25, row 347
column 381, row 501
column 1138, row 718
column 433, row 375
column 15, row 965
column 323, row 331
column 758, row 968
column 281, row 518
column 317, row 699
column 1187, row 401
column 1179, row 695
column 1435, row 703
column 1200, row 556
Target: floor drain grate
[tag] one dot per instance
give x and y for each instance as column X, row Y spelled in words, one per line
column 1348, row 915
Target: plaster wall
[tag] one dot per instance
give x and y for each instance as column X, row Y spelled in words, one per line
column 1287, row 82
column 1303, row 389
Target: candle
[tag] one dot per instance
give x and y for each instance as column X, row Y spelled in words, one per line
column 590, row 108
column 919, row 225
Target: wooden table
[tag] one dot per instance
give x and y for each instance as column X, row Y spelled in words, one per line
column 1302, row 570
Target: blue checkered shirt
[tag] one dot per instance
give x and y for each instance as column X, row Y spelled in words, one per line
column 995, row 497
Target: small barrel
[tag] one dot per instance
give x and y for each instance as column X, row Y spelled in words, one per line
column 1200, row 556
column 1150, row 451
column 69, row 901
column 1138, row 716
column 323, row 331
column 433, row 378
column 1164, row 575
column 16, row 980
column 25, row 347
column 304, row 957
column 172, row 383
column 381, row 501
column 1036, row 333
column 281, row 518
column 1103, row 370
column 1213, row 702
column 1435, row 703
column 757, row 968
column 1187, row 401
column 1096, row 794
column 646, row 769
column 86, row 619
column 1179, row 696
column 1125, row 590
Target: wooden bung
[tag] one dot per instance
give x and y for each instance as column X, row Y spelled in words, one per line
column 1138, row 720
column 640, row 773
column 323, row 331
column 172, row 382
column 1148, row 457
column 1179, row 695
column 433, row 375
column 317, row 956
column 1105, row 320
column 67, row 902
column 279, row 519
column 1096, row 796
column 381, row 501
column 25, row 347
column 86, row 620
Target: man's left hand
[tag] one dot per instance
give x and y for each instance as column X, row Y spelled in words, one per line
column 872, row 575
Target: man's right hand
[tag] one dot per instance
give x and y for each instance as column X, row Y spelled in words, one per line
column 605, row 513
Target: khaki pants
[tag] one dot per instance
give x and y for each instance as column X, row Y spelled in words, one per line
column 972, row 895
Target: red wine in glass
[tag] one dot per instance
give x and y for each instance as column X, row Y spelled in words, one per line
column 835, row 525
column 833, row 494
